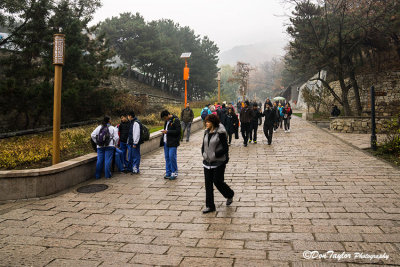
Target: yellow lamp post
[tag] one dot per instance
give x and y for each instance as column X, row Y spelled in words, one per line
column 58, row 62
column 186, row 56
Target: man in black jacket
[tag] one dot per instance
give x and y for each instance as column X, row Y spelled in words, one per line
column 170, row 141
column 187, row 117
column 123, row 131
column 245, row 118
column 254, row 123
column 270, row 121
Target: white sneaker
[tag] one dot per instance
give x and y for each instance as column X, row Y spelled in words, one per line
column 274, row 131
column 173, row 176
column 288, row 131
column 285, row 131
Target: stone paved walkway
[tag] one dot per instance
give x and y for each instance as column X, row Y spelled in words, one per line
column 308, row 191
column 362, row 141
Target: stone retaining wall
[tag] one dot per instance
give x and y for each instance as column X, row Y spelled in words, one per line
column 356, row 124
column 33, row 183
column 388, row 82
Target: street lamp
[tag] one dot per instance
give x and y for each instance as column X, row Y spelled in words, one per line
column 219, row 86
column 58, row 62
column 186, row 73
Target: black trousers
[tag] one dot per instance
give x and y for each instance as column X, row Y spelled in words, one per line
column 287, row 124
column 216, row 176
column 245, row 129
column 269, row 131
column 230, row 137
column 253, row 130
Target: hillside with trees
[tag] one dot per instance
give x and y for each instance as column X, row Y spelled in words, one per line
column 346, row 38
column 152, row 49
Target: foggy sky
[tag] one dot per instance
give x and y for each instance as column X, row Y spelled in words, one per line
column 228, row 23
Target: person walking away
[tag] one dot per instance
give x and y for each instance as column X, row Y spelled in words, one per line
column 275, row 109
column 123, row 132
column 134, row 144
column 239, row 106
column 335, row 111
column 222, row 114
column 204, row 113
column 269, row 123
column 187, row 117
column 280, row 122
column 245, row 118
column 256, row 115
column 170, row 141
column 215, row 153
column 287, row 116
column 231, row 124
column 213, row 110
column 106, row 138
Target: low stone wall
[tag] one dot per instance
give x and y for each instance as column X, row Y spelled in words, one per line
column 356, row 124
column 33, row 183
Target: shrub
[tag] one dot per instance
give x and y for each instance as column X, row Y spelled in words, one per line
column 27, row 150
column 391, row 144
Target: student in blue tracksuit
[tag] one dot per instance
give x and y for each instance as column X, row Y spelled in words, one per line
column 106, row 143
column 134, row 145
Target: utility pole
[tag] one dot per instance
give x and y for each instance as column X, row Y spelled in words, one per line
column 186, row 73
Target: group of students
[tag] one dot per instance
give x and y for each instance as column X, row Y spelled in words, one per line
column 122, row 141
column 122, row 144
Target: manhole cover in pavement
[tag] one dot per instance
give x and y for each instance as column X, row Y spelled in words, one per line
column 92, row 188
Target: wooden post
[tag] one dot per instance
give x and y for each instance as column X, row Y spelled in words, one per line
column 58, row 61
column 373, row 125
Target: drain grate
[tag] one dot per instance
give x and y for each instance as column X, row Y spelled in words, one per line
column 92, row 188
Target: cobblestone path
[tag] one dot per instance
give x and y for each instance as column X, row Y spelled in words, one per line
column 308, row 191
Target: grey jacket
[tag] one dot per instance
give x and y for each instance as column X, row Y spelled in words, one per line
column 215, row 147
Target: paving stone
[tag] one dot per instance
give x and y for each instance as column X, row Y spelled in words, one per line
column 192, row 252
column 312, row 245
column 220, row 243
column 271, row 228
column 152, row 259
column 202, row 234
column 64, row 253
column 338, row 237
column 73, row 263
column 259, row 263
column 290, row 236
column 206, row 262
column 128, row 238
column 101, row 246
column 113, row 257
column 92, row 236
column 241, row 253
column 144, row 248
column 268, row 245
column 176, row 241
column 245, row 236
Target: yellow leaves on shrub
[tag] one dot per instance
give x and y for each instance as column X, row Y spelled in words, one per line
column 30, row 149
column 174, row 109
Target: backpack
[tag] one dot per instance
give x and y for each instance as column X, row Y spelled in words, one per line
column 204, row 114
column 144, row 132
column 103, row 138
column 94, row 146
